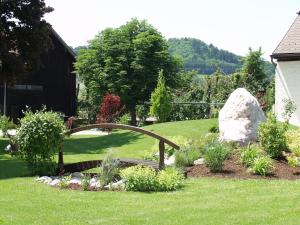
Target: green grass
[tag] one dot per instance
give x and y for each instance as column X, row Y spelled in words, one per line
column 201, row 201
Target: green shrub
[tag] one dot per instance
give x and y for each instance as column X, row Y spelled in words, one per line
column 40, row 137
column 186, row 157
column 85, row 183
column 215, row 155
column 5, row 125
column 293, row 161
column 214, row 129
column 293, row 141
column 139, row 178
column 272, row 136
column 249, row 154
column 161, row 100
column 124, row 119
column 108, row 170
column 170, row 179
column 262, row 165
column 64, row 182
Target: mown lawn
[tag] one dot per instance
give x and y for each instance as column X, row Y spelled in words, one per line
column 201, row 201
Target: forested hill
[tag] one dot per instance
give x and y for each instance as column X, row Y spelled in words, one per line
column 204, row 58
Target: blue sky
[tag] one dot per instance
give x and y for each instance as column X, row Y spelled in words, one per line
column 233, row 25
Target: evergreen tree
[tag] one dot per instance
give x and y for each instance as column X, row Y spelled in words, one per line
column 160, row 100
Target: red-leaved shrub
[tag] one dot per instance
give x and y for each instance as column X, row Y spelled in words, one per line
column 110, row 109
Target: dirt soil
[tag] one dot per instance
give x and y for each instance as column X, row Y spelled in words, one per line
column 233, row 168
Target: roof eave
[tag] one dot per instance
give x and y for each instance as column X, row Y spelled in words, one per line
column 286, row 56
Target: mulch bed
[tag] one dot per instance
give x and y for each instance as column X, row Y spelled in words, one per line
column 233, row 168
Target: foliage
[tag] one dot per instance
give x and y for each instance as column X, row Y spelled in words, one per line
column 203, row 58
column 269, row 97
column 293, row 141
column 24, row 37
column 64, row 182
column 214, row 129
column 288, row 109
column 5, row 125
column 186, row 157
column 126, row 61
column 160, row 100
column 272, row 136
column 40, row 137
column 215, row 155
column 142, row 112
column 170, row 179
column 262, row 165
column 85, row 183
column 110, row 109
column 293, row 161
column 139, row 178
column 108, row 170
column 249, row 154
column 255, row 78
column 124, row 119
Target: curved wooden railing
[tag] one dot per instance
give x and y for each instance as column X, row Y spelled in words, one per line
column 162, row 140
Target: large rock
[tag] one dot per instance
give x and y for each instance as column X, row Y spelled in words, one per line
column 240, row 117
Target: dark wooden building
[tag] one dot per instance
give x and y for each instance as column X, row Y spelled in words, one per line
column 54, row 85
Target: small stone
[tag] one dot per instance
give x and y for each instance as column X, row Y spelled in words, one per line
column 55, row 182
column 199, row 161
column 44, row 179
column 78, row 175
column 8, row 148
column 75, row 180
column 115, row 186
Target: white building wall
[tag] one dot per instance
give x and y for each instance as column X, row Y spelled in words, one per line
column 287, row 86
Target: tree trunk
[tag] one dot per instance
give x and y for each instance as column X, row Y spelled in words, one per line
column 133, row 117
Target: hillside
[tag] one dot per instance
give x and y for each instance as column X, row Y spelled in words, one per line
column 206, row 59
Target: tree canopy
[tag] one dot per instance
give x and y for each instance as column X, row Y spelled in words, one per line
column 126, row 61
column 24, row 36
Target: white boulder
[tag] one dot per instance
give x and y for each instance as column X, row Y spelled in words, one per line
column 240, row 117
column 55, row 182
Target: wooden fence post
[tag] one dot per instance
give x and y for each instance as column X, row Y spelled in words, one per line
column 61, row 161
column 161, row 154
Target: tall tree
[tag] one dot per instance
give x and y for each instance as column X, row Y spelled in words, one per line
column 126, row 61
column 24, row 36
column 255, row 78
column 160, row 100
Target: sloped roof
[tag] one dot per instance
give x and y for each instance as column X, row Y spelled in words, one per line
column 70, row 51
column 289, row 46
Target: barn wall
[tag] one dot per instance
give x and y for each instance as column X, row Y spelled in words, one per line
column 287, row 86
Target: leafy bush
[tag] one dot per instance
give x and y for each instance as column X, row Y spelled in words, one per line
column 170, row 179
column 249, row 154
column 160, row 100
column 85, row 183
column 124, row 119
column 110, row 109
column 40, row 137
column 293, row 161
column 5, row 125
column 186, row 157
column 64, row 182
column 214, row 129
column 139, row 178
column 142, row 112
column 289, row 107
column 272, row 136
column 108, row 170
column 262, row 165
column 215, row 155
column 293, row 141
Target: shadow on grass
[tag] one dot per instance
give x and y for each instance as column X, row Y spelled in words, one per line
column 97, row 145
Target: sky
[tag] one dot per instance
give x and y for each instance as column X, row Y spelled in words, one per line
column 233, row 25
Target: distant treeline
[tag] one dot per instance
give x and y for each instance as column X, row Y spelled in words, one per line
column 204, row 58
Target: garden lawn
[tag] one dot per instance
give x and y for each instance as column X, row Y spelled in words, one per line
column 200, row 201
